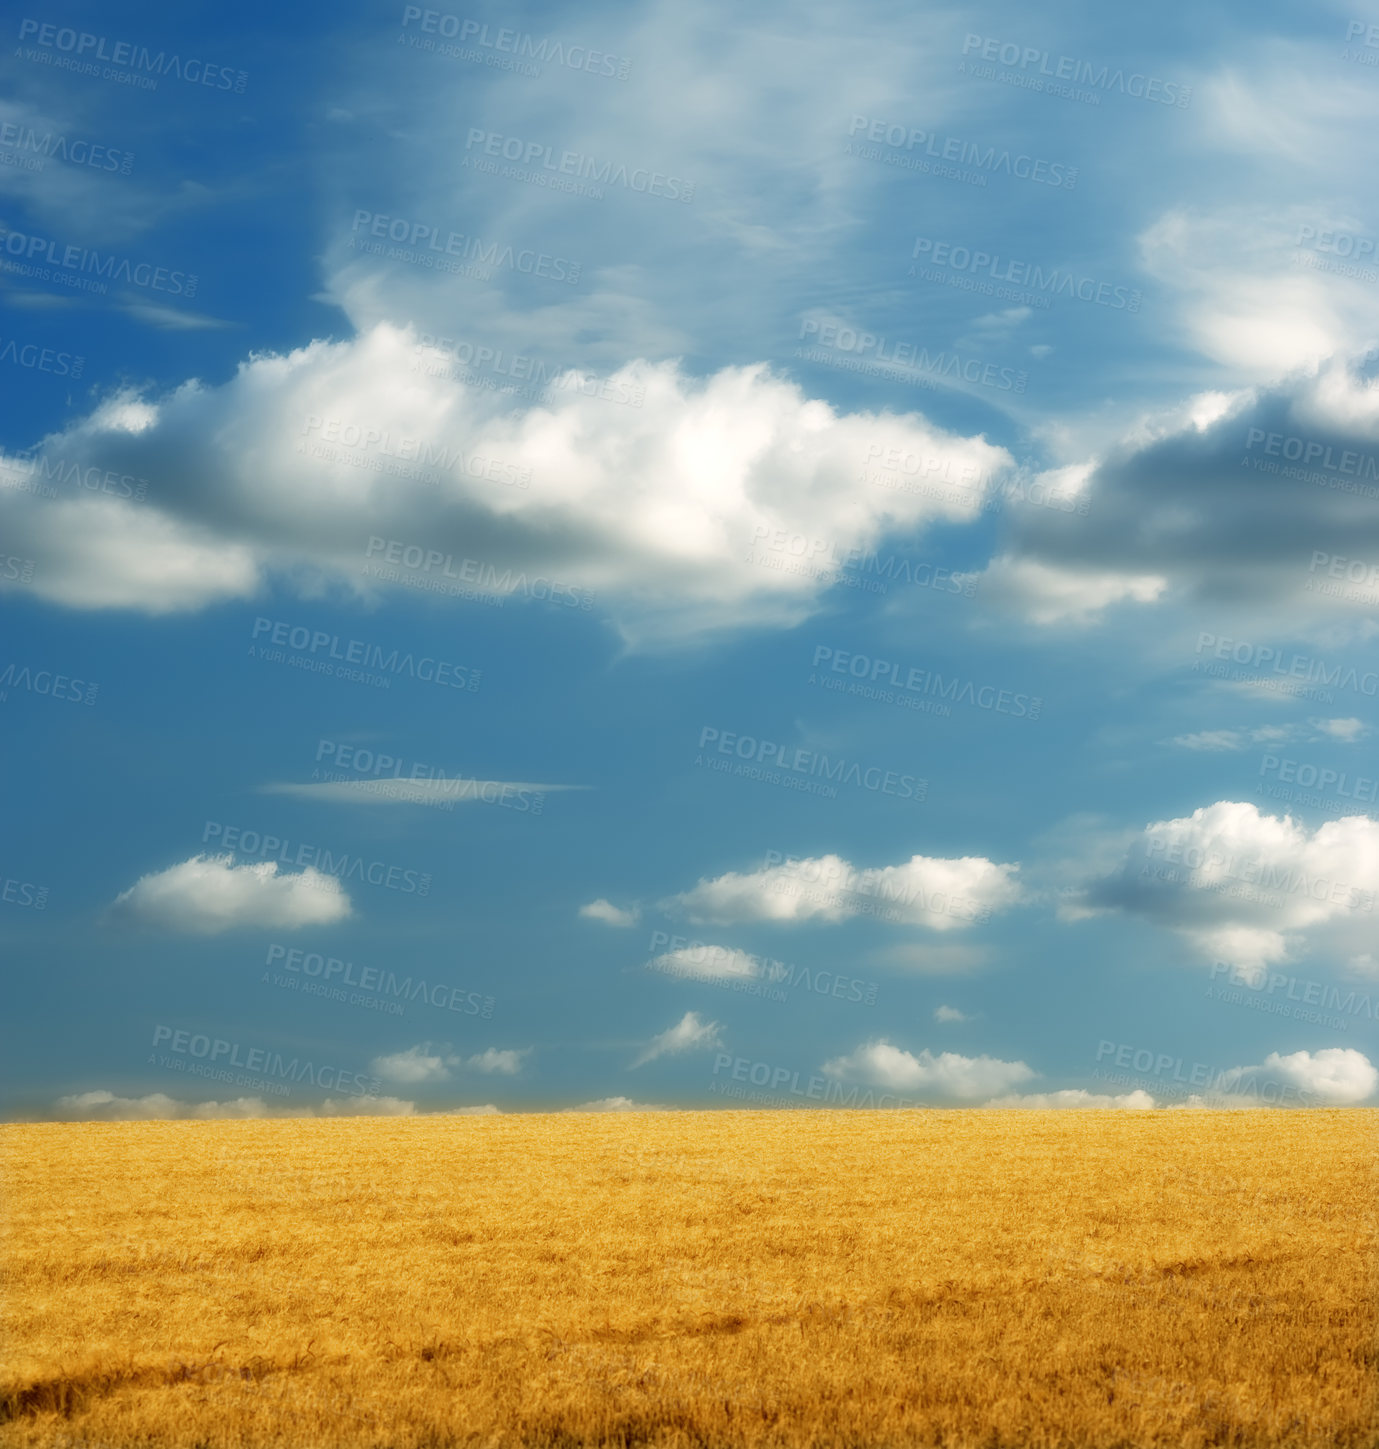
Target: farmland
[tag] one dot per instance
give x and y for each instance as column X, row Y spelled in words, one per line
column 1004, row 1279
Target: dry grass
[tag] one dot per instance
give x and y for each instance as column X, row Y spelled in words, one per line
column 974, row 1278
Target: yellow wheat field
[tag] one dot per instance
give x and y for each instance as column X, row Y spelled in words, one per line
column 974, row 1278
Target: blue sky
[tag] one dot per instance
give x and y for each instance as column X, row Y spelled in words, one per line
column 661, row 557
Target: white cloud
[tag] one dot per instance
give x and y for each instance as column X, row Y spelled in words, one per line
column 413, row 1066
column 879, row 1064
column 944, row 895
column 734, row 108
column 425, row 1063
column 708, row 963
column 456, row 789
column 1335, row 731
column 950, row 1013
column 105, row 1106
column 1242, row 298
column 1245, row 887
column 609, row 914
column 209, row 894
column 1347, row 731
column 1076, row 1098
column 650, row 508
column 367, row 1107
column 1048, row 594
column 504, row 1062
column 618, row 1104
column 1223, row 741
column 1340, row 1076
column 102, row 553
column 690, row 1033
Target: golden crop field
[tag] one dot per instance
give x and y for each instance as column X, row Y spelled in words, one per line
column 956, row 1278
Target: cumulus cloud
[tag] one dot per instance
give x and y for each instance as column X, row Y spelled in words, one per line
column 425, row 1063
column 609, row 914
column 209, row 894
column 413, row 1066
column 690, row 1033
column 1247, row 888
column 1265, row 496
column 879, row 1064
column 505, row 1062
column 1052, row 594
column 440, row 791
column 950, row 1013
column 708, row 963
column 1338, row 1076
column 618, row 1104
column 366, row 1106
column 103, row 1106
column 1076, row 1098
column 944, row 895
column 651, row 508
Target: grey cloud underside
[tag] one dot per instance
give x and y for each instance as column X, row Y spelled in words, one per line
column 1191, row 505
